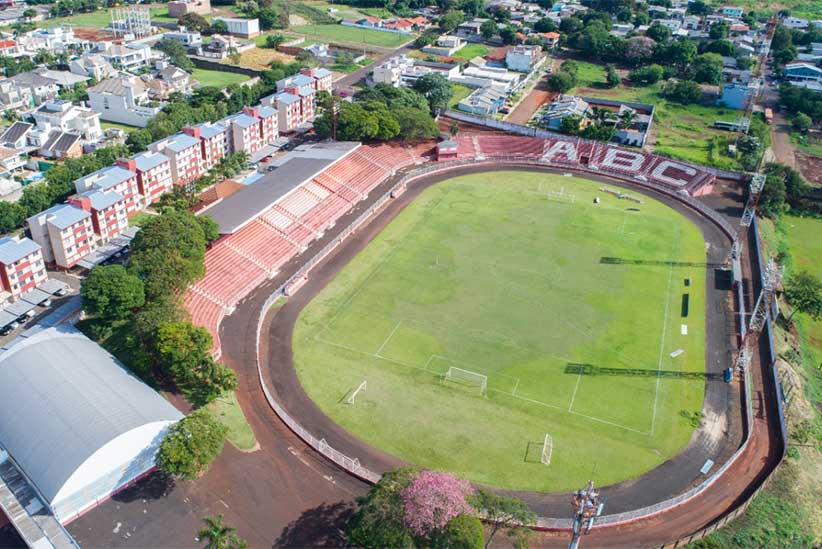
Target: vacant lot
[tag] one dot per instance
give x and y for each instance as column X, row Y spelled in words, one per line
column 471, row 51
column 353, row 35
column 499, row 279
column 218, row 79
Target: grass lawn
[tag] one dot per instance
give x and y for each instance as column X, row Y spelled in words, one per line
column 353, row 35
column 227, row 410
column 798, row 8
column 508, row 283
column 471, row 51
column 100, row 19
column 460, row 93
column 126, row 128
column 218, row 79
column 805, row 145
column 140, row 218
column 684, row 132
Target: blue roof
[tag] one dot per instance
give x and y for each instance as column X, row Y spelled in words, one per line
column 243, row 120
column 149, row 159
column 210, row 130
column 286, row 97
column 181, row 141
column 64, row 215
column 101, row 200
column 306, row 90
column 321, row 72
column 105, row 178
column 12, row 249
column 298, row 80
column 265, row 112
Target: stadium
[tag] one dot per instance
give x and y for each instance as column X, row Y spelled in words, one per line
column 525, row 312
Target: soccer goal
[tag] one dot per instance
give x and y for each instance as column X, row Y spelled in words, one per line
column 467, row 377
column 547, row 450
column 353, row 396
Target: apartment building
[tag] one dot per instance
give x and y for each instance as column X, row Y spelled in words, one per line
column 114, row 178
column 107, row 209
column 21, row 266
column 322, row 78
column 183, row 151
column 65, row 234
column 288, row 110
column 269, row 124
column 214, row 142
column 153, row 171
column 244, row 131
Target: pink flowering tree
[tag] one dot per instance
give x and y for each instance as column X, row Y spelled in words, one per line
column 432, row 499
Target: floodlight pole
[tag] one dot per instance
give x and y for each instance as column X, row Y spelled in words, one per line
column 587, row 507
column 335, row 112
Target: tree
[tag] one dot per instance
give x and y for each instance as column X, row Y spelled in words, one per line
column 659, row 33
column 220, row 536
column 570, row 124
column 462, row 532
column 274, row 40
column 561, row 81
column 488, row 29
column 415, row 124
column 181, row 345
column 698, row 7
column 378, row 521
column 176, row 52
column 451, row 20
column 544, row 25
column 194, row 22
column 508, row 35
column 719, row 30
column 782, row 38
column 29, row 14
column 772, row 199
column 645, row 76
column 502, row 512
column 722, row 47
column 218, row 26
column 639, row 50
column 804, row 293
column 802, row 122
column 110, row 292
column 432, row 499
column 612, row 79
column 156, row 311
column 12, row 216
column 211, row 230
column 678, row 53
column 683, row 91
column 436, row 89
column 708, row 68
column 191, row 445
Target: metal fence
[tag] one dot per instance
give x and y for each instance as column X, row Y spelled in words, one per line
column 356, row 468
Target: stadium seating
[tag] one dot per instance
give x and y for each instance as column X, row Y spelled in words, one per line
column 338, row 187
column 393, row 157
column 263, row 244
column 205, row 313
column 501, row 145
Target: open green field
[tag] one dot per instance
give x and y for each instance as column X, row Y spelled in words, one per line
column 100, row 19
column 218, row 79
column 471, row 51
column 684, row 132
column 460, row 93
column 507, row 275
column 353, row 35
column 806, row 251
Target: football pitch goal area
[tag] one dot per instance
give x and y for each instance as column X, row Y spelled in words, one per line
column 489, row 314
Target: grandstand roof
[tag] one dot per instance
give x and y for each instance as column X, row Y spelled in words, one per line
column 300, row 165
column 71, row 398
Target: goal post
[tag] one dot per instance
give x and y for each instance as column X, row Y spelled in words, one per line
column 467, row 377
column 360, row 389
column 547, row 450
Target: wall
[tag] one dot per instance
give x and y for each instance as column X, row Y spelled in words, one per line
column 201, row 63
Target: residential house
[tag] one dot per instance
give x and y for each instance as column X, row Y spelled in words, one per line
column 470, row 30
column 184, row 151
column 92, row 65
column 402, row 70
column 11, row 160
column 9, row 48
column 11, row 97
column 795, row 23
column 167, row 80
column 53, row 39
column 483, row 101
column 58, row 145
column 736, row 95
column 190, row 39
column 178, row 8
column 16, row 135
column 123, row 99
column 128, row 57
column 563, row 107
column 523, row 58
column 153, row 171
column 34, row 89
column 245, row 28
column 446, row 45
column 550, row 39
column 65, row 234
column 114, row 178
column 21, row 267
column 220, row 47
column 732, row 11
column 108, row 212
column 67, row 117
column 215, row 142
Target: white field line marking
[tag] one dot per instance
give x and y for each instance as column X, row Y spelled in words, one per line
column 514, row 392
column 505, row 393
column 576, row 386
column 664, row 330
column 387, row 339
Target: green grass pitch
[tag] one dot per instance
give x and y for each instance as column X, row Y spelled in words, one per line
column 501, row 273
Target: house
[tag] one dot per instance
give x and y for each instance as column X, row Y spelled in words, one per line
column 483, row 101
column 550, row 39
column 732, row 11
column 53, row 39
column 9, row 48
column 108, row 212
column 470, row 30
column 190, row 39
column 33, row 88
column 21, row 267
column 128, row 57
column 446, row 45
column 485, row 76
column 562, row 108
column 621, row 29
column 11, row 160
column 167, row 80
column 795, row 23
column 16, row 135
column 220, row 46
column 65, row 234
column 523, row 58
column 215, row 141
column 402, row 70
column 123, row 99
column 153, row 171
column 322, row 78
column 183, row 151
column 736, row 95
column 58, row 145
column 691, row 22
column 11, row 97
column 802, row 72
column 178, row 8
column 67, row 117
column 92, row 65
column 245, row 28
column 115, row 178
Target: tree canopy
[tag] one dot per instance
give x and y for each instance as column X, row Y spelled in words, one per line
column 109, row 291
column 804, row 293
column 191, row 445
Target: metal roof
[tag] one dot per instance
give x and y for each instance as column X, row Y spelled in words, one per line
column 210, row 130
column 242, row 120
column 149, row 159
column 101, row 200
column 71, row 398
column 295, row 168
column 15, row 132
column 63, row 215
column 52, row 285
column 180, row 142
column 7, row 318
column 18, row 309
column 104, row 178
column 35, row 296
column 12, row 249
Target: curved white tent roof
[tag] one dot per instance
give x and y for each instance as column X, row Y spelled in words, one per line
column 70, row 409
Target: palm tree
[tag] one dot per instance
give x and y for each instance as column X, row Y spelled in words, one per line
column 220, row 536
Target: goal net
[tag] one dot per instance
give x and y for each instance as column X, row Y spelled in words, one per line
column 353, row 396
column 468, row 378
column 547, row 450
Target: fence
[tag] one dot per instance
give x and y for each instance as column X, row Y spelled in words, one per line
column 201, row 63
column 353, row 465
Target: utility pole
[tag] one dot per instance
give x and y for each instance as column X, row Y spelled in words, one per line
column 335, row 113
column 587, row 507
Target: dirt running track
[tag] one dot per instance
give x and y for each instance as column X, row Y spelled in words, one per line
column 286, row 495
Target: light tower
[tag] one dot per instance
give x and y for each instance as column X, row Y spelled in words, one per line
column 770, row 281
column 587, row 507
column 754, row 192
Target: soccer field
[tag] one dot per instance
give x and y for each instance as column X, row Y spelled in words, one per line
column 571, row 310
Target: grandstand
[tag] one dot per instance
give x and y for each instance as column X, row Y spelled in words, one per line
column 266, row 224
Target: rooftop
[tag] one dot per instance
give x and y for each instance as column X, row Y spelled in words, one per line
column 149, row 159
column 13, row 248
column 105, row 178
column 63, row 215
